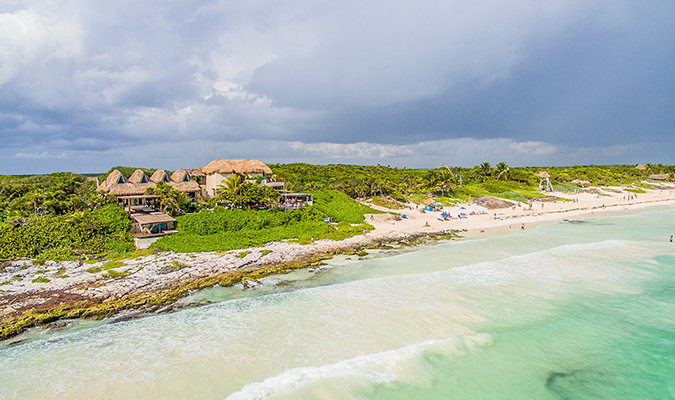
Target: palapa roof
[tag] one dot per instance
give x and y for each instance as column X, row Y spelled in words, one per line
column 195, row 172
column 113, row 178
column 160, row 175
column 659, row 177
column 182, row 181
column 580, row 182
column 138, row 177
column 641, row 167
column 129, row 189
column 237, row 167
column 181, row 175
column 116, row 184
column 154, row 218
column 542, row 174
column 190, row 186
column 139, row 182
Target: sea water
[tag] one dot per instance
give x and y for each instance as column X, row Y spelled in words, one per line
column 572, row 310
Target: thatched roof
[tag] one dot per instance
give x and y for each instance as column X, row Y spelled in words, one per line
column 181, row 175
column 128, row 189
column 580, row 182
column 117, row 185
column 113, row 178
column 182, row 180
column 190, row 186
column 659, row 177
column 237, row 167
column 195, row 172
column 641, row 167
column 138, row 177
column 542, row 174
column 159, row 175
column 154, row 218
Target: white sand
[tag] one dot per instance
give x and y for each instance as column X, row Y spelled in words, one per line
column 583, row 204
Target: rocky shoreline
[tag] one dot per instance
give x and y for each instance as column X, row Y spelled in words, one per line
column 33, row 295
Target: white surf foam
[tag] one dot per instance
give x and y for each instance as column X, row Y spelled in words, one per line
column 386, row 366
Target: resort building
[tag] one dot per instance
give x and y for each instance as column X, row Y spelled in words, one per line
column 219, row 170
column 146, row 220
column 139, row 182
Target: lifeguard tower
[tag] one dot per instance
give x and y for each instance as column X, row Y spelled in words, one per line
column 544, row 181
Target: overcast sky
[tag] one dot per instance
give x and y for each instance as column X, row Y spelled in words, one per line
column 86, row 84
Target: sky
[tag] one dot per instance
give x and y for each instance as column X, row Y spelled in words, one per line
column 88, row 85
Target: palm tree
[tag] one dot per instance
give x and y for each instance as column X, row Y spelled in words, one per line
column 231, row 184
column 444, row 177
column 431, row 180
column 503, row 171
column 485, row 170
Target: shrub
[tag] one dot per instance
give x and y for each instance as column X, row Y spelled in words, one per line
column 223, row 230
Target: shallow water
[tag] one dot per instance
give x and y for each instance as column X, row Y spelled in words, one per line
column 567, row 310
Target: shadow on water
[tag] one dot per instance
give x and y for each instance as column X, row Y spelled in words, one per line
column 576, row 384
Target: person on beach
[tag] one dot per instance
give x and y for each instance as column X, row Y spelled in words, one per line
column 364, row 232
column 312, row 239
column 426, row 224
column 522, row 227
column 671, row 238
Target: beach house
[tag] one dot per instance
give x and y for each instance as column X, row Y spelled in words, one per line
column 146, row 220
column 219, row 170
column 182, row 180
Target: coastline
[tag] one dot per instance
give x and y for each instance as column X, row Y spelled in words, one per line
column 154, row 281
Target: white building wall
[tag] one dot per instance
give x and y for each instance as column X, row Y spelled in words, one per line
column 213, row 181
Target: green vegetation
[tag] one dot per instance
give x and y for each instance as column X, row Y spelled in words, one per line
column 106, row 267
column 40, row 279
column 222, row 229
column 60, row 216
column 175, row 265
column 244, row 195
column 409, row 184
column 264, row 253
column 243, row 254
column 57, row 237
column 115, row 274
column 60, row 193
column 113, row 264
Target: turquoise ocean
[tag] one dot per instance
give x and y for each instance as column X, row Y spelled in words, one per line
column 583, row 309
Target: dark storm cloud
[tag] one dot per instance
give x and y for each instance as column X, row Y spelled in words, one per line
column 88, row 85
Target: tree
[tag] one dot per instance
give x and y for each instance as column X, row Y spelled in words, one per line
column 431, row 180
column 485, row 170
column 444, row 177
column 231, row 184
column 502, row 171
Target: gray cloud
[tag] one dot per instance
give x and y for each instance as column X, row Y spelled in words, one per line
column 88, row 85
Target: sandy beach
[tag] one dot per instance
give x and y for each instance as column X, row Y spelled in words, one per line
column 608, row 200
column 27, row 286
